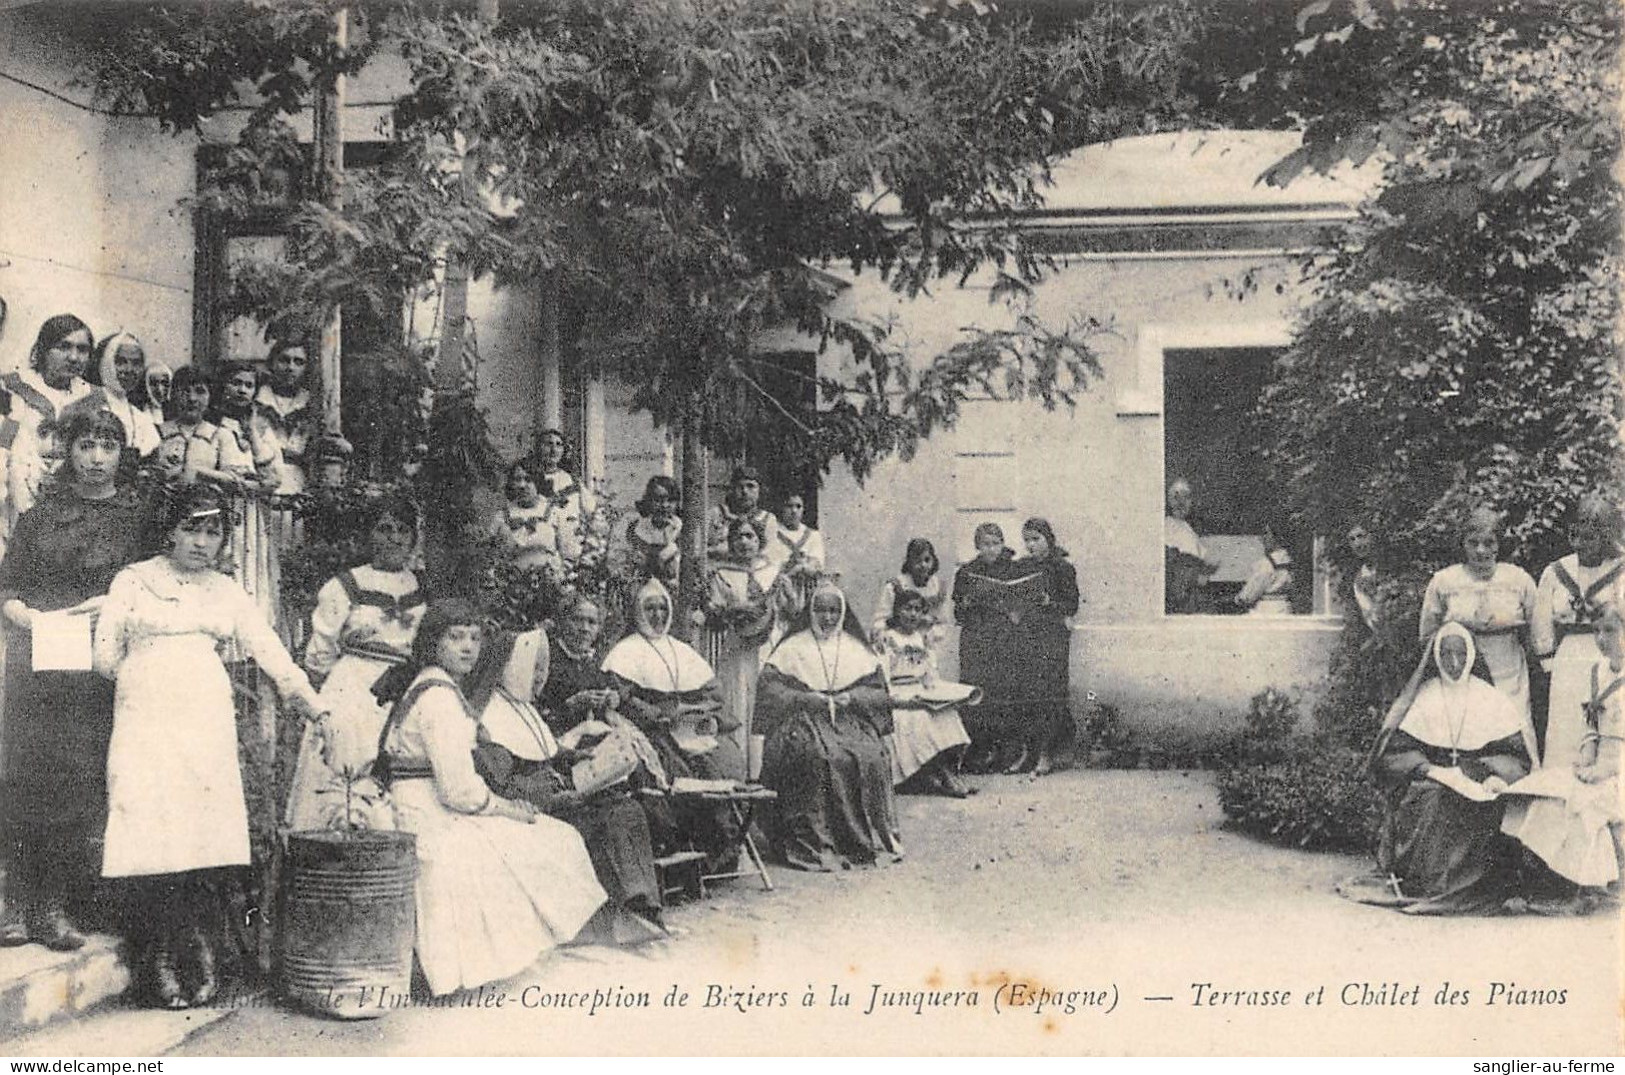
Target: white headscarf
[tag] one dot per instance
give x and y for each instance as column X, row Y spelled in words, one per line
column 1461, row 713
column 653, row 659
column 827, row 661
column 105, row 365
column 510, row 718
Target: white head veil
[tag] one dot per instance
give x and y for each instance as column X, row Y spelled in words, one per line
column 107, row 352
column 510, row 718
column 652, row 659
column 830, row 660
column 1463, row 713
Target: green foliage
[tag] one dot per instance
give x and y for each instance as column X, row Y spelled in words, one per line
column 690, row 169
column 1463, row 346
column 1272, row 715
column 1305, row 789
column 1312, row 799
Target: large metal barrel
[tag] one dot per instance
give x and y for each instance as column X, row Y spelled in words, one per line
column 349, row 921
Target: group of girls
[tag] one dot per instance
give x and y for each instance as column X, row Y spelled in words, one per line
column 1464, row 732
column 112, row 765
column 534, row 771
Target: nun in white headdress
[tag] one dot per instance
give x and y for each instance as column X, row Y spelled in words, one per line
column 671, row 694
column 519, row 757
column 822, row 704
column 1452, row 743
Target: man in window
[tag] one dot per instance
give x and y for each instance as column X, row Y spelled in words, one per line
column 1187, row 561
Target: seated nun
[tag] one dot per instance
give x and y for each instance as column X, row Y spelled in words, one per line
column 584, row 776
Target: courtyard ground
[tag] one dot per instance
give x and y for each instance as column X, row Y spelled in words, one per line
column 1104, row 890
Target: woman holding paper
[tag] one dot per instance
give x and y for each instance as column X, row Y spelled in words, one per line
column 993, row 595
column 1451, row 745
column 59, row 713
column 584, row 776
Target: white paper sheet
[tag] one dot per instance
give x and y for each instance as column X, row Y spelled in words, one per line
column 1462, row 784
column 61, row 641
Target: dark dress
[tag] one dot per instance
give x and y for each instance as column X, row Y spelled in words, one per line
column 996, row 650
column 1049, row 652
column 614, row 825
column 1441, row 853
column 57, row 724
column 675, row 824
column 611, row 824
column 836, row 807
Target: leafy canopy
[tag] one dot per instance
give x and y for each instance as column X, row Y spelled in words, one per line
column 692, row 170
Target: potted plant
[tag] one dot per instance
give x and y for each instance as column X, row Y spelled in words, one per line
column 349, row 908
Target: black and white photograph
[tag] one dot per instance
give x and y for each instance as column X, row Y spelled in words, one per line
column 542, row 528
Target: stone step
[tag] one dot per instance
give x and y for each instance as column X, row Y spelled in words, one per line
column 38, row 985
column 116, row 1030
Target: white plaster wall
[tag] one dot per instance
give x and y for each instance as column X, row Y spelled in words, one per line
column 88, row 211
column 1097, row 476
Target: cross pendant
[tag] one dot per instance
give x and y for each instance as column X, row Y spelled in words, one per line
column 1455, row 758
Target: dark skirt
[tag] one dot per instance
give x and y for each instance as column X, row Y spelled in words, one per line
column 680, row 824
column 612, row 825
column 1440, row 853
column 836, row 805
column 56, row 731
column 1023, row 672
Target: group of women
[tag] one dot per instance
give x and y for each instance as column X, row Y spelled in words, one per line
column 542, row 773
column 119, row 745
column 1487, row 810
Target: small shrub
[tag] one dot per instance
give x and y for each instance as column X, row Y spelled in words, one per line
column 1316, row 798
column 1307, row 791
column 1272, row 717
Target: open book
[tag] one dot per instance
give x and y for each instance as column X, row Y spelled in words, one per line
column 1007, row 595
column 939, row 695
column 1543, row 783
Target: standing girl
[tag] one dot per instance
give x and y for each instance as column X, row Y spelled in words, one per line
column 363, row 624
column 177, row 820
column 746, row 597
column 1048, row 657
column 119, row 368
column 1494, row 601
column 651, row 538
column 993, row 652
column 917, row 575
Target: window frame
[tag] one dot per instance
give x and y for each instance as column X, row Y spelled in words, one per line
column 1145, row 397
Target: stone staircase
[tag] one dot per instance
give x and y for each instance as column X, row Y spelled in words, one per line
column 68, row 1004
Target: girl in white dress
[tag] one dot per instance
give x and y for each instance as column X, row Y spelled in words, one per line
column 499, row 884
column 917, row 575
column 1496, row 602
column 528, row 525
column 746, row 599
column 363, row 624
column 924, row 742
column 176, row 811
